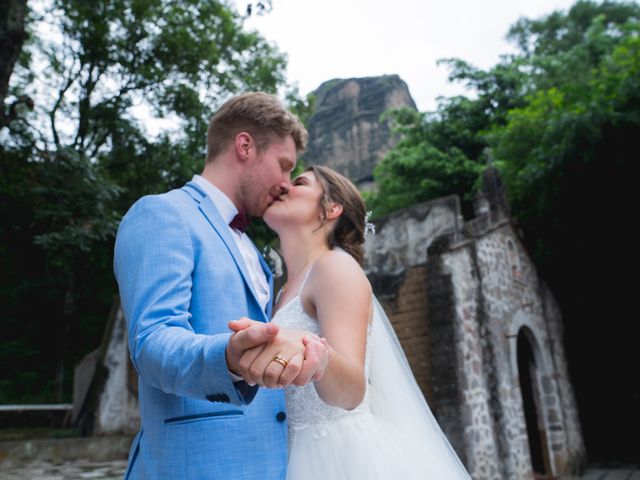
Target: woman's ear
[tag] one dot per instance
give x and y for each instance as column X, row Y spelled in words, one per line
column 334, row 211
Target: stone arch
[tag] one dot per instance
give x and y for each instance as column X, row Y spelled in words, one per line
column 532, row 404
column 532, row 374
column 523, row 321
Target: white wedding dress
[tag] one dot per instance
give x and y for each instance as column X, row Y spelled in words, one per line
column 391, row 434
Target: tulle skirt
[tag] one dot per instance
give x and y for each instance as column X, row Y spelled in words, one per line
column 363, row 446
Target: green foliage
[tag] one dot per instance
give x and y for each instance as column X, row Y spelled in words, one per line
column 565, row 123
column 531, row 110
column 443, row 152
column 417, row 170
column 302, row 107
column 73, row 166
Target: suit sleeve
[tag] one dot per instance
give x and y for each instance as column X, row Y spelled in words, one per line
column 153, row 263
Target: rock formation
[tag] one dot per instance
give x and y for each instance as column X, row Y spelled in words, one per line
column 345, row 130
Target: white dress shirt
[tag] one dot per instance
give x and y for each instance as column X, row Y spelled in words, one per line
column 248, row 251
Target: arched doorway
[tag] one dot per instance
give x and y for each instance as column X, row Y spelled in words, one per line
column 532, row 403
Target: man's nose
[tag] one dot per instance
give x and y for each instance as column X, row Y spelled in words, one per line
column 285, row 186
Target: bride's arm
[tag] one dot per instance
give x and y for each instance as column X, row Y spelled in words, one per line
column 340, row 294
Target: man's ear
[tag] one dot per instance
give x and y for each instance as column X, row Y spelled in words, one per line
column 245, row 145
column 334, row 210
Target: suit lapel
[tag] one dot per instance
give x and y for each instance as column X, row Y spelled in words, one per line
column 269, row 274
column 209, row 210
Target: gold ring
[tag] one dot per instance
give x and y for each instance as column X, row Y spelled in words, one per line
column 280, row 360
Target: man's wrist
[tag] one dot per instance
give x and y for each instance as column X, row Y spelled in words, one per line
column 234, row 376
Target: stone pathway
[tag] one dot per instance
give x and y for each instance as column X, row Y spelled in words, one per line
column 77, row 470
column 608, row 474
column 114, row 470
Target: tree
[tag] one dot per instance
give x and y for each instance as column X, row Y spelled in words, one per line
column 569, row 119
column 447, row 147
column 70, row 168
column 420, row 167
column 444, row 152
column 12, row 37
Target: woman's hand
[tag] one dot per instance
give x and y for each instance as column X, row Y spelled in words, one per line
column 305, row 355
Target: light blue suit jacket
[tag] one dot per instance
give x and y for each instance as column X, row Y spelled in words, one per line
column 181, row 279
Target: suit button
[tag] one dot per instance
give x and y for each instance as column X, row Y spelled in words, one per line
column 224, row 398
column 281, row 416
column 214, row 397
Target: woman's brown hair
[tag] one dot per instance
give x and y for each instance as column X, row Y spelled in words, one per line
column 348, row 232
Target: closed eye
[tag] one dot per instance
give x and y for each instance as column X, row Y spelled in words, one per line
column 287, row 165
column 301, row 181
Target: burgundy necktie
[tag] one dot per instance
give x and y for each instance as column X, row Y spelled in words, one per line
column 240, row 221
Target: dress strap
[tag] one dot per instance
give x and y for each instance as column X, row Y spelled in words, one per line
column 306, row 276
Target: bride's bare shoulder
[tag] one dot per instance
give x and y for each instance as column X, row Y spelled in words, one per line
column 338, row 268
column 337, row 288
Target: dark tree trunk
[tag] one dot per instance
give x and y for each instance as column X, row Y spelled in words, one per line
column 12, row 36
column 68, row 314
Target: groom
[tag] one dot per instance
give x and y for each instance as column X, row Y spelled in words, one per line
column 185, row 269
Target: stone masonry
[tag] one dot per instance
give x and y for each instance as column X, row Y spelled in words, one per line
column 467, row 304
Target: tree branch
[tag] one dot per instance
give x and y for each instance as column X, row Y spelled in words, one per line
column 84, row 105
column 61, row 94
column 13, row 113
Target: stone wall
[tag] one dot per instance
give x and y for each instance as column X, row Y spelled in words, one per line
column 105, row 400
column 402, row 239
column 482, row 297
column 118, row 411
column 406, row 310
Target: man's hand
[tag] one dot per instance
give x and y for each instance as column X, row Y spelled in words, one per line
column 307, row 356
column 248, row 339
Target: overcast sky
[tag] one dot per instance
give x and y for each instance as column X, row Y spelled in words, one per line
column 327, row 39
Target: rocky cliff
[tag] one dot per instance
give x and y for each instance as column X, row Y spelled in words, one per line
column 345, row 131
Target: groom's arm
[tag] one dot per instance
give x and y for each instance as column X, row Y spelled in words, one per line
column 154, row 261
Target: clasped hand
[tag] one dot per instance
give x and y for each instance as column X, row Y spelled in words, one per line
column 254, row 345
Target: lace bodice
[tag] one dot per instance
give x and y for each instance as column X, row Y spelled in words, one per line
column 305, row 409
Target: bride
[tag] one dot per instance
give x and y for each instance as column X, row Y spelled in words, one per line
column 366, row 418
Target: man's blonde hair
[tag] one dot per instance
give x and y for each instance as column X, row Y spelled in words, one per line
column 257, row 113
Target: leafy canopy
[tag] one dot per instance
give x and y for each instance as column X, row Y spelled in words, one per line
column 571, row 69
column 102, row 75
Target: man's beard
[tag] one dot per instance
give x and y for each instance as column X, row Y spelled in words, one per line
column 250, row 202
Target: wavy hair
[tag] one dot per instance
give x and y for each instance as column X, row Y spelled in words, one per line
column 348, row 232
